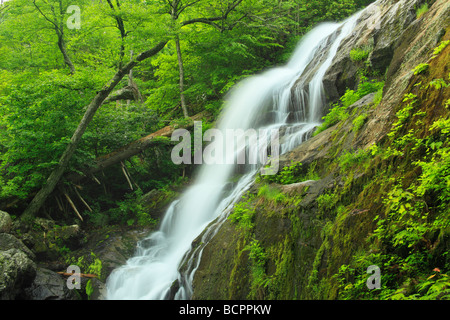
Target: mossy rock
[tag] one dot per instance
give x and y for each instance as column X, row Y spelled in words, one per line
column 5, row 222
column 17, row 272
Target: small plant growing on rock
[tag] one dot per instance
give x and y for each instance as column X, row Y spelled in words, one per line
column 421, row 68
column 422, row 10
column 359, row 54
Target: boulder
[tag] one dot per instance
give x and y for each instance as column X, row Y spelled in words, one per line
column 8, row 241
column 48, row 285
column 5, row 222
column 17, row 271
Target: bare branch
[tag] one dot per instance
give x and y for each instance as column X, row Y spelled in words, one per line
column 45, row 17
column 211, row 21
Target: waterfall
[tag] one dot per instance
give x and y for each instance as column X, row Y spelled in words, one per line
column 277, row 99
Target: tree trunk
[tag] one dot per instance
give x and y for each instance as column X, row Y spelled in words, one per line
column 123, row 33
column 181, row 67
column 57, row 173
column 62, row 48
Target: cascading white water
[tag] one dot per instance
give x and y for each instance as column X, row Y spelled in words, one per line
column 271, row 100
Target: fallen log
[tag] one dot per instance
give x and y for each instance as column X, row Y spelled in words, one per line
column 128, row 151
column 82, row 275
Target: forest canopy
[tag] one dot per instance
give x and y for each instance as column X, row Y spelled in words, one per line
column 57, row 56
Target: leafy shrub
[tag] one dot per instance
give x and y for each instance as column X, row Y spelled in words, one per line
column 258, row 259
column 339, row 110
column 359, row 121
column 359, row 54
column 440, row 47
column 350, row 159
column 378, row 96
column 421, row 68
column 293, row 174
column 422, row 10
column 368, row 86
column 243, row 214
column 335, row 115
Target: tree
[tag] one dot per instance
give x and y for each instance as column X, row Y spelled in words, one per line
column 57, row 173
column 121, row 27
column 96, row 102
column 176, row 8
column 56, row 17
column 200, row 49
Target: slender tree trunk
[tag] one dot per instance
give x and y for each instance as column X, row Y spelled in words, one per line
column 63, row 49
column 61, row 42
column 57, row 173
column 133, row 85
column 181, row 67
column 123, row 33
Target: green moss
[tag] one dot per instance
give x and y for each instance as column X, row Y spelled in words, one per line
column 422, row 10
column 359, row 121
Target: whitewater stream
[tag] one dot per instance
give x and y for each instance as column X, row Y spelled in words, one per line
column 277, row 99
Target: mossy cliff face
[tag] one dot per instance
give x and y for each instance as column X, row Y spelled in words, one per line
column 371, row 190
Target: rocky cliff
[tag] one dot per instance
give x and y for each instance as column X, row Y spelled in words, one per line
column 370, row 190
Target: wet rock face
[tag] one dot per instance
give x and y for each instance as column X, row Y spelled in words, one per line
column 399, row 42
column 378, row 30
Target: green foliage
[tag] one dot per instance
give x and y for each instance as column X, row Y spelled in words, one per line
column 359, row 121
column 421, row 68
column 403, row 114
column 38, row 116
column 293, row 174
column 435, row 287
column 89, row 288
column 350, row 159
column 438, row 84
column 271, row 194
column 336, row 114
column 359, row 54
column 339, row 111
column 89, row 264
column 128, row 211
column 258, row 259
column 326, row 202
column 243, row 214
column 408, row 242
column 367, row 86
column 442, row 45
column 41, row 104
column 378, row 97
column 422, row 10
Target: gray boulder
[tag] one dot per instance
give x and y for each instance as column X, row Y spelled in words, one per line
column 17, row 271
column 8, row 241
column 48, row 285
column 5, row 222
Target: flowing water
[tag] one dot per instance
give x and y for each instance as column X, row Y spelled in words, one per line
column 276, row 99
